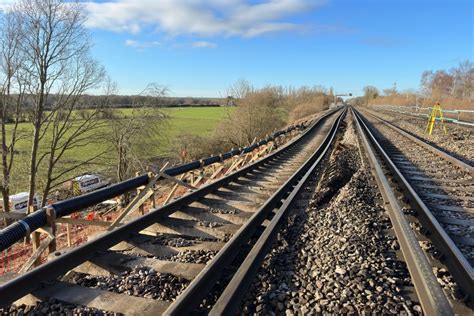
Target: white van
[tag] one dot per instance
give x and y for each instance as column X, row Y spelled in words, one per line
column 19, row 202
column 88, row 183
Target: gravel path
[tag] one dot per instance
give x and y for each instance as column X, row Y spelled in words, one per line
column 459, row 141
column 335, row 257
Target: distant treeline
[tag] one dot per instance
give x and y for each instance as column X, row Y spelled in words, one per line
column 126, row 101
column 453, row 88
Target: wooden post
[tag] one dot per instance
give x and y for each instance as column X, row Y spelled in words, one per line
column 68, row 235
column 198, row 180
column 35, row 238
column 235, row 165
column 141, row 197
column 153, row 187
column 36, row 255
column 140, row 208
column 173, row 190
column 51, row 218
column 215, row 174
column 153, row 201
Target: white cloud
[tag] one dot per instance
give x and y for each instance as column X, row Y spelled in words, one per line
column 198, row 17
column 203, row 44
column 138, row 44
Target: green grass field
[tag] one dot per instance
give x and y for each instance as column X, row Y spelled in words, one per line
column 194, row 121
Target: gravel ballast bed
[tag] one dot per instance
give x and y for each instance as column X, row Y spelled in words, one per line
column 335, row 257
column 193, row 256
column 141, row 282
column 54, row 307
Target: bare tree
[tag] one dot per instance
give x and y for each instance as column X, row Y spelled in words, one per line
column 458, row 82
column 370, row 93
column 239, row 90
column 12, row 91
column 55, row 55
column 67, row 132
column 134, row 131
column 463, row 80
column 441, row 84
column 425, row 82
column 259, row 113
column 391, row 91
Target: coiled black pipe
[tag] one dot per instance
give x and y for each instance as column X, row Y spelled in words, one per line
column 23, row 227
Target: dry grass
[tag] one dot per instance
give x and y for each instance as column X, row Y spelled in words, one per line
column 309, row 108
column 188, row 147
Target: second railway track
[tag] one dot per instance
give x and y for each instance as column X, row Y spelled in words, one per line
column 176, row 241
column 436, row 189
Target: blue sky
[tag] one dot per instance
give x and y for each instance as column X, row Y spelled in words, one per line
column 200, row 47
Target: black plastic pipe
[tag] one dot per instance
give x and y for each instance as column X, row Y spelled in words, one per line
column 30, row 223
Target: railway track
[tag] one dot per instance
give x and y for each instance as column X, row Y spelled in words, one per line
column 187, row 245
column 430, row 188
column 201, row 252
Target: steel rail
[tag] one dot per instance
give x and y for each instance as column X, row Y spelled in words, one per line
column 229, row 301
column 430, row 293
column 445, row 155
column 457, row 264
column 30, row 281
column 192, row 296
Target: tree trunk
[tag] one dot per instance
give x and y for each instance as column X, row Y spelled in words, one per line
column 33, row 169
column 47, row 186
column 5, row 169
column 35, row 146
column 6, row 175
column 119, row 164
